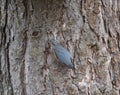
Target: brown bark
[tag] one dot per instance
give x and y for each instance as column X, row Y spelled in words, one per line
column 89, row 29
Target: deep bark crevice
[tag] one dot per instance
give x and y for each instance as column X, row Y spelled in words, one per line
column 25, row 2
column 22, row 69
column 5, row 46
column 118, row 40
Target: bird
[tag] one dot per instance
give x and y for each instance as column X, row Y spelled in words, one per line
column 62, row 54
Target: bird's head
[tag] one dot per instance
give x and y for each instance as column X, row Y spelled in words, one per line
column 53, row 42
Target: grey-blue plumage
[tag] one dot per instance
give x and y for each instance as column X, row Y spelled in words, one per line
column 62, row 54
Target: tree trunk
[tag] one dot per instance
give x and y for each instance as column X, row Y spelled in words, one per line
column 89, row 29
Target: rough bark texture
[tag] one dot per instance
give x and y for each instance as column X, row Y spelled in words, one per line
column 89, row 29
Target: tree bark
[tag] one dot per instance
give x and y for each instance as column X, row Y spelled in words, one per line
column 89, row 29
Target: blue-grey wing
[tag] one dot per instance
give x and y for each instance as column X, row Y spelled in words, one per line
column 63, row 55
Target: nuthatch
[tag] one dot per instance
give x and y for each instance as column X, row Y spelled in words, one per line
column 62, row 54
